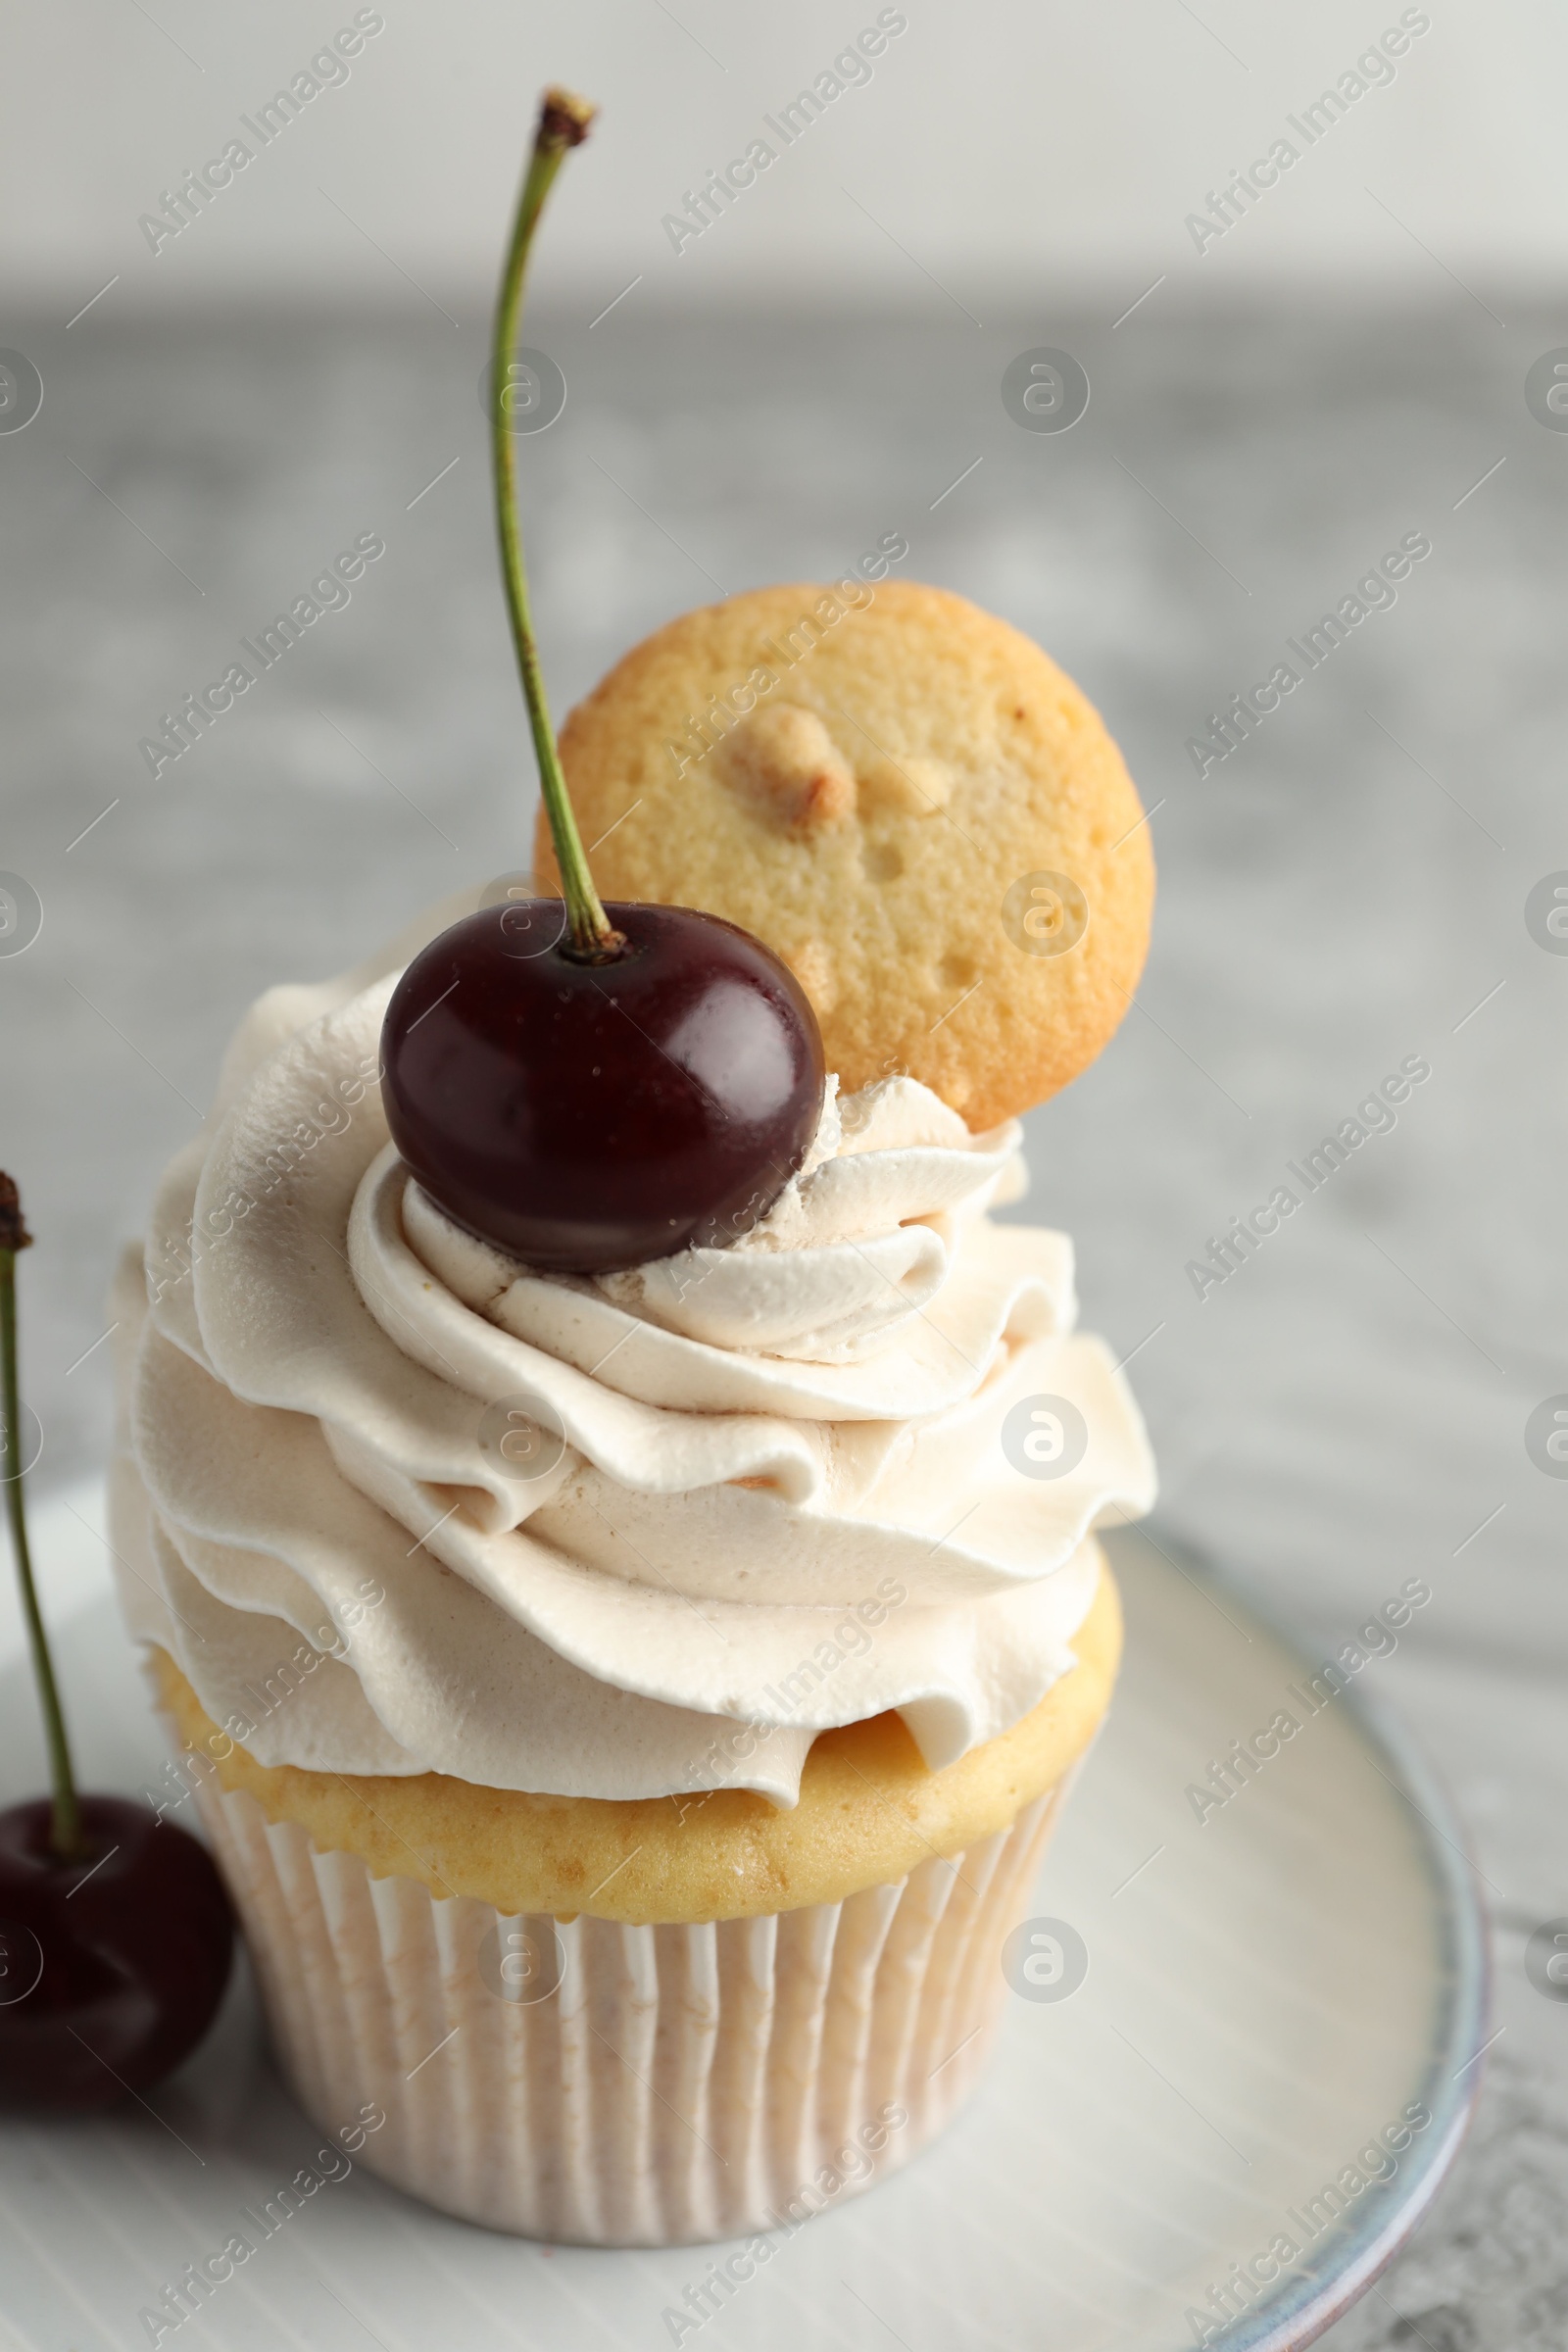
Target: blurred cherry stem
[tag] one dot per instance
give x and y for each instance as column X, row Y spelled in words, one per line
column 67, row 1838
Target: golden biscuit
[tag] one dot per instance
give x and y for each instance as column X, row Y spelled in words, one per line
column 904, row 798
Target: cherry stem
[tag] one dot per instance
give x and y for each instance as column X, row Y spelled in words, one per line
column 564, row 121
column 67, row 1836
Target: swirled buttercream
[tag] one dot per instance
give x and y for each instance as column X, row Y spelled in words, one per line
column 396, row 1504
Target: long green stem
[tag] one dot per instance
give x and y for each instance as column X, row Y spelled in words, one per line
column 66, row 1834
column 564, row 121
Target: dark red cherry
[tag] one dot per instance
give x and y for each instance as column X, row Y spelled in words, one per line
column 589, row 1116
column 111, row 1967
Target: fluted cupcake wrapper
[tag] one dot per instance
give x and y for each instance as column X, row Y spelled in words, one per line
column 597, row 2084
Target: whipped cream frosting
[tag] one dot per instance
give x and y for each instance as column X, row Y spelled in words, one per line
column 396, row 1504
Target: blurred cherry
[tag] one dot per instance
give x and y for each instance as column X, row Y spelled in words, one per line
column 115, row 1934
column 112, row 1966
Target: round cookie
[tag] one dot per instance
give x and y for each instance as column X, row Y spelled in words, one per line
column 904, row 798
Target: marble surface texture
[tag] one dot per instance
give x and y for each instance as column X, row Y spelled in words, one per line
column 1347, row 890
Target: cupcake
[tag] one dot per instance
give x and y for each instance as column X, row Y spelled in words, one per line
column 609, row 1511
column 628, row 1710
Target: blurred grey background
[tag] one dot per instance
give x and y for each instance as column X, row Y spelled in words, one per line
column 1272, row 409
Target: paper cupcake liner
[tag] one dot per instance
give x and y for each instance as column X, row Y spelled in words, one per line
column 595, row 2083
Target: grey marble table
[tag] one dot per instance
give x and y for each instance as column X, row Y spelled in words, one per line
column 1345, row 890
